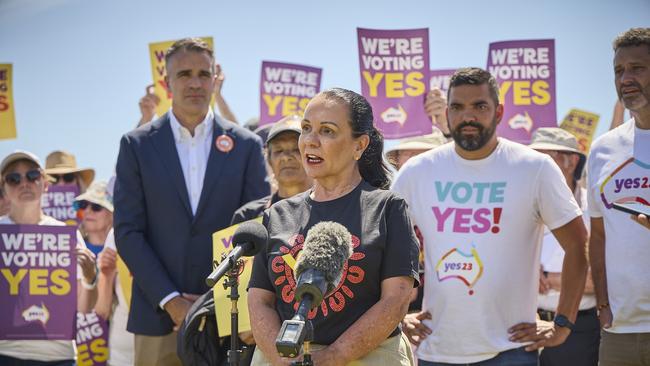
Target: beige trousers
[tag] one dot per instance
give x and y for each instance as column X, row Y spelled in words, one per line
column 156, row 350
column 395, row 351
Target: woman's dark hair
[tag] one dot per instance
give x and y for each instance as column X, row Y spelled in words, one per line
column 371, row 164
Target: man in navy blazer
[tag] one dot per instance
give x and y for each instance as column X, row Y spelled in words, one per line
column 179, row 179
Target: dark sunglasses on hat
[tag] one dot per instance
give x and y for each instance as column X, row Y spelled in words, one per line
column 82, row 205
column 67, row 178
column 14, row 179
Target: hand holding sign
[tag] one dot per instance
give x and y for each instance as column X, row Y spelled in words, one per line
column 435, row 105
column 86, row 260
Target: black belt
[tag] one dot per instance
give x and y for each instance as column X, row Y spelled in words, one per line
column 550, row 315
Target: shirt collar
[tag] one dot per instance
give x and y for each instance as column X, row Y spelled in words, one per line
column 203, row 130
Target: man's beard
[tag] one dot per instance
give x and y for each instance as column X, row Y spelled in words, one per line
column 473, row 142
column 632, row 104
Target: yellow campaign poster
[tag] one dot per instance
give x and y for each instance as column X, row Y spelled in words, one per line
column 7, row 111
column 126, row 280
column 582, row 125
column 222, row 243
column 157, row 54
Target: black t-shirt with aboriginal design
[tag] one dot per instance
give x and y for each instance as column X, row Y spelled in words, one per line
column 384, row 246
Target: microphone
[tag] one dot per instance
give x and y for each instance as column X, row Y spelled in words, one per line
column 318, row 270
column 249, row 238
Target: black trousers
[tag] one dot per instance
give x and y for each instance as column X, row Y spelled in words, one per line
column 580, row 348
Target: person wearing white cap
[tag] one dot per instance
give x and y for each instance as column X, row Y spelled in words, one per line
column 581, row 348
column 24, row 182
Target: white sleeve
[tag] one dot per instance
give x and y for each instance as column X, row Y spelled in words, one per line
column 593, row 202
column 80, row 244
column 556, row 204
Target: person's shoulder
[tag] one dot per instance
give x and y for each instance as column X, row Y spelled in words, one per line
column 612, row 138
column 290, row 204
column 147, row 128
column 51, row 221
column 378, row 195
column 253, row 208
column 519, row 153
column 237, row 131
column 430, row 157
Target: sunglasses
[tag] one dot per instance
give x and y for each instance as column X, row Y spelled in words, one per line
column 14, row 179
column 82, row 205
column 67, row 178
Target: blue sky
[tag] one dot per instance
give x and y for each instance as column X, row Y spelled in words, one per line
column 80, row 66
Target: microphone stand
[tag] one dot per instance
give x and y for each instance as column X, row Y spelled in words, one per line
column 232, row 281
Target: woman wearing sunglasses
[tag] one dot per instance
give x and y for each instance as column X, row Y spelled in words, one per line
column 61, row 167
column 24, row 182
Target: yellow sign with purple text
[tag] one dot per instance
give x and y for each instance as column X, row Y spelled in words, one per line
column 582, row 125
column 157, row 54
column 7, row 111
column 222, row 244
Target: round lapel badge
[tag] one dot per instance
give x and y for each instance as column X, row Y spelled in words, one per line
column 224, row 143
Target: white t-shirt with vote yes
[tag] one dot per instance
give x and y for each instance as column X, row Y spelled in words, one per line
column 619, row 171
column 482, row 223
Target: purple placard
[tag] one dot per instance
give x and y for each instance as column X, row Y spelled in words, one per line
column 525, row 71
column 39, row 282
column 58, row 201
column 394, row 68
column 440, row 79
column 92, row 340
column 286, row 89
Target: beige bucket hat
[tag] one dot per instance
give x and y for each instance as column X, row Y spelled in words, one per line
column 557, row 139
column 97, row 193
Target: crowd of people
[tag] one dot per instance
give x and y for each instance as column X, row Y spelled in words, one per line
column 478, row 251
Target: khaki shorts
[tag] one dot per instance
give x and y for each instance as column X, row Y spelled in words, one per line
column 395, row 351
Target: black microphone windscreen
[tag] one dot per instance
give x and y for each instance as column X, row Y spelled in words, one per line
column 327, row 247
column 251, row 236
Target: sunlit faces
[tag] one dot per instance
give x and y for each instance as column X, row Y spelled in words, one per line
column 326, row 144
column 473, row 116
column 285, row 161
column 96, row 221
column 632, row 76
column 190, row 77
column 27, row 190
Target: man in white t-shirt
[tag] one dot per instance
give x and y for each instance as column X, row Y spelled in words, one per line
column 481, row 203
column 619, row 248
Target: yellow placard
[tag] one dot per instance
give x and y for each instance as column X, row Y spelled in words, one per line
column 7, row 109
column 582, row 125
column 222, row 243
column 157, row 54
column 126, row 280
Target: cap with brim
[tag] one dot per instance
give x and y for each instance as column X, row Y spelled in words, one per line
column 557, row 139
column 97, row 193
column 19, row 155
column 425, row 142
column 288, row 124
column 61, row 162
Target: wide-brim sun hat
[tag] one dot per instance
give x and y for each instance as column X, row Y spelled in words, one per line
column 557, row 139
column 62, row 162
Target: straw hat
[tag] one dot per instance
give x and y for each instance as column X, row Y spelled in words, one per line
column 62, row 162
column 425, row 142
column 97, row 193
column 557, row 139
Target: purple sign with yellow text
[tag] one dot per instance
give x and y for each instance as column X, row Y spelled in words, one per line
column 38, row 284
column 525, row 71
column 92, row 340
column 58, row 202
column 286, row 89
column 440, row 79
column 394, row 68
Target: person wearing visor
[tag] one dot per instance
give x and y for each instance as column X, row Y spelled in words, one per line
column 24, row 181
column 62, row 167
column 581, row 347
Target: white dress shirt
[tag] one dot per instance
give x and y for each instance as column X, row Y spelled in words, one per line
column 193, row 153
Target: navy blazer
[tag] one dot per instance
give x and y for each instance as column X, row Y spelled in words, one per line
column 166, row 247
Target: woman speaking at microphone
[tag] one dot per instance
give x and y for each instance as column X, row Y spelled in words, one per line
column 357, row 323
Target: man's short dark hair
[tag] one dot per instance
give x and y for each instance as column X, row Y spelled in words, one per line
column 632, row 38
column 474, row 76
column 187, row 45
